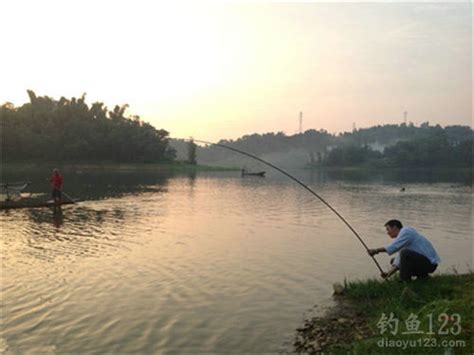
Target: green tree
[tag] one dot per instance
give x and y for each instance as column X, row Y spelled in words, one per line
column 70, row 130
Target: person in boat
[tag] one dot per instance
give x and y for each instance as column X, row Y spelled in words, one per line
column 57, row 182
column 416, row 255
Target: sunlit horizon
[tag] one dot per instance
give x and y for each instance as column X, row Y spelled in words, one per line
column 217, row 71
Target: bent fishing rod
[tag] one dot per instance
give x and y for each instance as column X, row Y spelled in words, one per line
column 298, row 182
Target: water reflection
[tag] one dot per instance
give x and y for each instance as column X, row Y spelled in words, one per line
column 464, row 177
column 192, row 178
column 57, row 216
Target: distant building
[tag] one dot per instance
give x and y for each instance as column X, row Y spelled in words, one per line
column 377, row 146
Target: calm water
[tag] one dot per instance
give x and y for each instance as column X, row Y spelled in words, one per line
column 209, row 262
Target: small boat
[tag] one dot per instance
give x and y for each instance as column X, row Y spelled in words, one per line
column 14, row 198
column 13, row 190
column 246, row 173
column 7, row 205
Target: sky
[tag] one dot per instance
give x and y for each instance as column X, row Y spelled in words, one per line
column 216, row 70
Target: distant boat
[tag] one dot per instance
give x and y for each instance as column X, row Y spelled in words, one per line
column 247, row 173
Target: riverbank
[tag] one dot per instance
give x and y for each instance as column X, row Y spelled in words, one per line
column 174, row 167
column 375, row 316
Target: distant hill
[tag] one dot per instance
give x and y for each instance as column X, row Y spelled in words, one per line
column 384, row 143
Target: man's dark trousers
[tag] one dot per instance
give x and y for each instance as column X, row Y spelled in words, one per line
column 414, row 264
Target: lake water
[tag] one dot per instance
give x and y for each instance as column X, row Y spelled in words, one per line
column 204, row 263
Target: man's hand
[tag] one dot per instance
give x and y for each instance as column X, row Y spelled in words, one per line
column 393, row 270
column 372, row 252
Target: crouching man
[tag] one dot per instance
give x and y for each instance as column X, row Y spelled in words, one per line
column 416, row 255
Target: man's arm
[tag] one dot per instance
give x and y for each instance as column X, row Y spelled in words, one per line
column 402, row 240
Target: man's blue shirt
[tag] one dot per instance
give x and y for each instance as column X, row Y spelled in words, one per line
column 409, row 238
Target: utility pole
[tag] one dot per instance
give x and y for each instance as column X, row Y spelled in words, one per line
column 301, row 122
column 405, row 114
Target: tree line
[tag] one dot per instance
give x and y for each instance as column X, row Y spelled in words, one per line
column 70, row 130
column 448, row 147
column 391, row 145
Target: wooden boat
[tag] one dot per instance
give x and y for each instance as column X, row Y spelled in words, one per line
column 7, row 205
column 261, row 174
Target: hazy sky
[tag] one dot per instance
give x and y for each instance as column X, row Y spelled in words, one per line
column 221, row 70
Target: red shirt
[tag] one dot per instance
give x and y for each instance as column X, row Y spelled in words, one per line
column 57, row 181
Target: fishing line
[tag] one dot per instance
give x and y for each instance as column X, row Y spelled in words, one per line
column 298, row 182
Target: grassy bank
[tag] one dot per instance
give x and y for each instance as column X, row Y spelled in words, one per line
column 376, row 316
column 174, row 167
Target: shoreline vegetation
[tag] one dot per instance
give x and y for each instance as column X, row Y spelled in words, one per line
column 383, row 317
column 169, row 167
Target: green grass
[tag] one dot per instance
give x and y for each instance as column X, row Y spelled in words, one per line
column 441, row 294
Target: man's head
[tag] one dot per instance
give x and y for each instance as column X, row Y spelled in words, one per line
column 393, row 227
column 55, row 171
